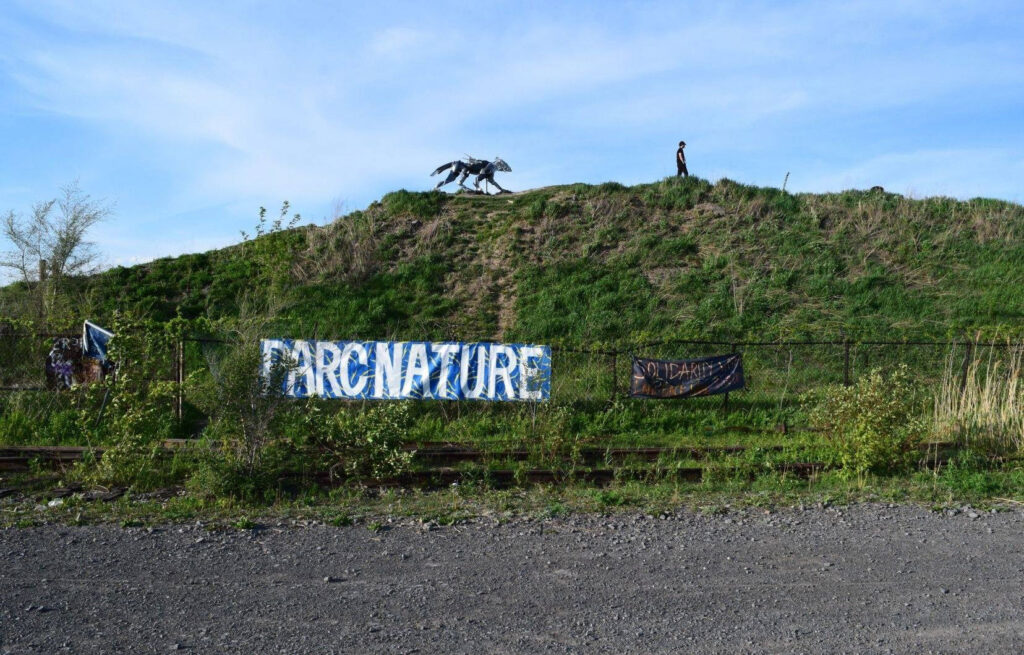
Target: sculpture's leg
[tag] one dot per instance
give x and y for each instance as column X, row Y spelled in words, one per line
column 462, row 180
column 500, row 190
column 451, row 176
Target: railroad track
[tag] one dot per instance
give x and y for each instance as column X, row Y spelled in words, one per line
column 20, row 458
column 592, row 465
column 444, row 477
column 439, row 463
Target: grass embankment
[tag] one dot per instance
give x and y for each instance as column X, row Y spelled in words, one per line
column 602, row 268
column 584, row 264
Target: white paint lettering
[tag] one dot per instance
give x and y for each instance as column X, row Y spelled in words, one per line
column 418, row 369
column 328, row 364
column 446, row 357
column 302, row 378
column 530, row 373
column 353, row 390
column 388, row 370
column 502, row 367
column 481, row 364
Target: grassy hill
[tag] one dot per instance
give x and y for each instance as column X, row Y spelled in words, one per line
column 582, row 264
column 603, row 268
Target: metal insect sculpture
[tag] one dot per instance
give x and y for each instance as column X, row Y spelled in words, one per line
column 484, row 171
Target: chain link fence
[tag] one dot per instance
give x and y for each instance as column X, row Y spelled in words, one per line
column 776, row 373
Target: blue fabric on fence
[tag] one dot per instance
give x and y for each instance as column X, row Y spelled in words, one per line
column 422, row 370
column 94, row 341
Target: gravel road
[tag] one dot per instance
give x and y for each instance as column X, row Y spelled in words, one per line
column 860, row 579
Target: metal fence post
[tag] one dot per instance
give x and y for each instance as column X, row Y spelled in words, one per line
column 179, row 375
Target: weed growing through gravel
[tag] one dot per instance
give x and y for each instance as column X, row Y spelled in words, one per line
column 245, row 523
column 339, row 520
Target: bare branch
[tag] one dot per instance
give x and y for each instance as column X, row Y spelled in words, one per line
column 56, row 237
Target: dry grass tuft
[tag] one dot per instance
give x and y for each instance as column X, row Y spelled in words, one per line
column 345, row 249
column 983, row 404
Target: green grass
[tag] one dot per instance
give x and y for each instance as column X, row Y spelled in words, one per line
column 682, row 258
column 584, row 301
column 407, row 303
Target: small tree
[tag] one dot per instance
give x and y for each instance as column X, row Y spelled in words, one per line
column 875, row 424
column 50, row 245
column 245, row 408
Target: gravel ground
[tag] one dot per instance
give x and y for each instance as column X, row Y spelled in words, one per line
column 863, row 579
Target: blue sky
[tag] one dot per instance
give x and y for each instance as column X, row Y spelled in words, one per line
column 188, row 116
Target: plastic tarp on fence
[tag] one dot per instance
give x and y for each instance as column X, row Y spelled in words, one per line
column 94, row 341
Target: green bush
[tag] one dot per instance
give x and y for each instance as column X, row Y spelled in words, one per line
column 676, row 194
column 611, row 187
column 220, row 475
column 364, row 444
column 873, row 425
column 62, row 427
column 41, row 419
column 138, row 405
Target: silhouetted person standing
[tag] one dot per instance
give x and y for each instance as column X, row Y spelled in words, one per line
column 681, row 161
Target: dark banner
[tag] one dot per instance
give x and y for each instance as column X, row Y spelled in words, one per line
column 686, row 378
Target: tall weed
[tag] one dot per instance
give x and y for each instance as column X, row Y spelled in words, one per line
column 982, row 406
